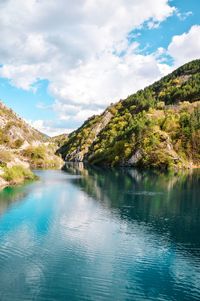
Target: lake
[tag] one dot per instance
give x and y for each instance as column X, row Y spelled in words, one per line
column 97, row 234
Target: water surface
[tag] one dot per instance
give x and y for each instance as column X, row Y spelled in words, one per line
column 97, row 234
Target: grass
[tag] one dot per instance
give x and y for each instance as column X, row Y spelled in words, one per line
column 18, row 174
column 5, row 156
column 42, row 156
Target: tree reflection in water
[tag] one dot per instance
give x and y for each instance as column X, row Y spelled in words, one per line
column 168, row 203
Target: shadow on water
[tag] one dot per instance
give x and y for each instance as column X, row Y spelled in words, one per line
column 10, row 196
column 168, row 203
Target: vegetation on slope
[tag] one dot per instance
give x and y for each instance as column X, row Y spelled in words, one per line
column 17, row 174
column 15, row 132
column 21, row 148
column 19, row 140
column 42, row 156
column 59, row 140
column 156, row 127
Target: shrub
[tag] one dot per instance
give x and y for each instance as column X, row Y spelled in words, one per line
column 17, row 143
column 5, row 156
column 17, row 174
column 34, row 152
column 42, row 156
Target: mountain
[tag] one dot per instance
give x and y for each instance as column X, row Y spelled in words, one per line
column 21, row 148
column 158, row 127
column 59, row 139
column 15, row 132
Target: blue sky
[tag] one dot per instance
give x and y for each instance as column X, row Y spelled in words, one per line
column 63, row 61
column 174, row 25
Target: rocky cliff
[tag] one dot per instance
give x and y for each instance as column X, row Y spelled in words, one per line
column 15, row 132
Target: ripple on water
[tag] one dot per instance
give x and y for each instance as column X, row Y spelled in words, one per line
column 71, row 239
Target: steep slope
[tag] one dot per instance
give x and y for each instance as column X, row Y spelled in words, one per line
column 78, row 142
column 21, row 148
column 155, row 127
column 59, row 140
column 15, row 132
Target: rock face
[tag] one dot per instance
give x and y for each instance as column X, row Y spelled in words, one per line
column 87, row 135
column 16, row 161
column 15, row 132
column 156, row 127
column 23, row 147
column 135, row 158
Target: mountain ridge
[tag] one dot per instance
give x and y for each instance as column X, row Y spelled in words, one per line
column 138, row 131
column 13, row 128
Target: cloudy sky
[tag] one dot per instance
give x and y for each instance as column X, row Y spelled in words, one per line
column 62, row 61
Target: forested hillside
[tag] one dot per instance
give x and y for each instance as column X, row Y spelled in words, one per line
column 156, row 127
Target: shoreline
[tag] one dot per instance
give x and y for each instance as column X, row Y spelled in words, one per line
column 4, row 184
column 20, row 181
column 186, row 167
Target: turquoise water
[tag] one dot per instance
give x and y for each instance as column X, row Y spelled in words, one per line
column 95, row 234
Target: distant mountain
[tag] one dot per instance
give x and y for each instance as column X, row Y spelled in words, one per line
column 59, row 139
column 156, row 127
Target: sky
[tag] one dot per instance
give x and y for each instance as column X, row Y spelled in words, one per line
column 62, row 61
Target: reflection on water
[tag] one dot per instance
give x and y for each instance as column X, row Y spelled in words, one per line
column 9, row 196
column 97, row 234
column 168, row 203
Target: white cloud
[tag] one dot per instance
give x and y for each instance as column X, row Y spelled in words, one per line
column 70, row 32
column 81, row 48
column 21, row 76
column 183, row 16
column 49, row 128
column 185, row 47
column 106, row 79
column 76, row 46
